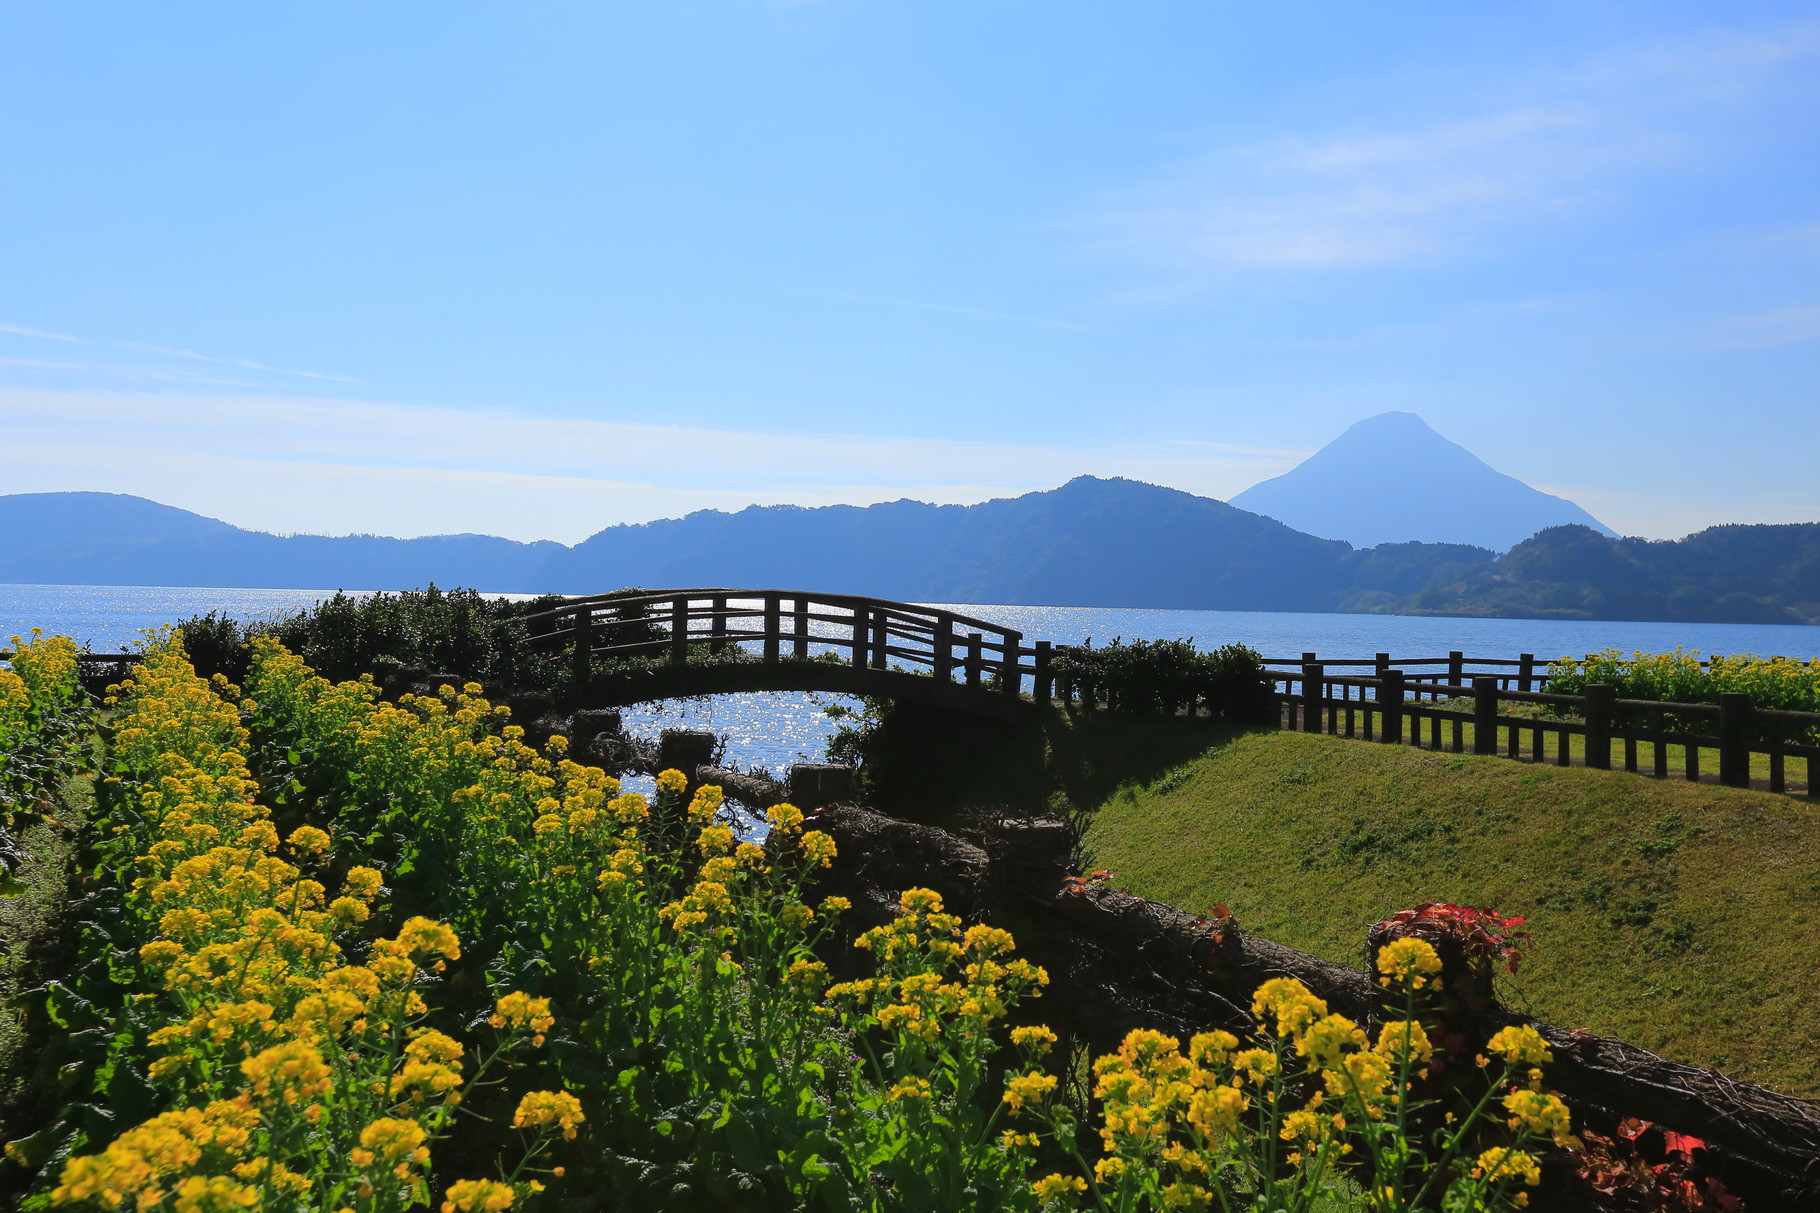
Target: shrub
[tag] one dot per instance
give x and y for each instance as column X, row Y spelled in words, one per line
column 1781, row 683
column 1148, row 677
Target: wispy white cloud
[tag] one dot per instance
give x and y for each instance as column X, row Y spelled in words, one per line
column 1786, row 326
column 1522, row 151
column 19, row 330
column 139, row 347
column 328, row 466
column 136, row 372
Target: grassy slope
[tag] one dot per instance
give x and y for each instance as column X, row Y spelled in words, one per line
column 1679, row 917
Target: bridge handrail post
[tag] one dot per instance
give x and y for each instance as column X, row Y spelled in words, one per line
column 1042, row 682
column 717, row 625
column 881, row 638
column 861, row 627
column 584, row 645
column 773, row 625
column 973, row 658
column 1011, row 669
column 801, row 630
column 679, row 629
column 944, row 648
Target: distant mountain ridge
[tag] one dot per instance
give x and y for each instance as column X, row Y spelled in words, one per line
column 1392, row 479
column 1090, row 542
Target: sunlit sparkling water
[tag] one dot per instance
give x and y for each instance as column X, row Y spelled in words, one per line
column 774, row 730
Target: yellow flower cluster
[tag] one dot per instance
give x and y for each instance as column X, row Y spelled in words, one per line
column 1173, row 1119
column 477, row 1196
column 301, row 1071
column 1408, row 961
column 45, row 666
column 911, row 996
column 43, row 717
column 557, row 1110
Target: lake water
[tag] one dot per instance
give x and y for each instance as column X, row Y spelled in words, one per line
column 774, row 730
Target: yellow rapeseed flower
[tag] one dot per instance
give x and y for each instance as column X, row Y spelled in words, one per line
column 1408, row 961
column 549, row 1108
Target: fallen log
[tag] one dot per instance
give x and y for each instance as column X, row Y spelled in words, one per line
column 1118, row 962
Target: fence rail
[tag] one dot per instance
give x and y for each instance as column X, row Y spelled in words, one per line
column 1399, row 706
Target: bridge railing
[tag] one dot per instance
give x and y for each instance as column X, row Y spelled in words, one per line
column 668, row 625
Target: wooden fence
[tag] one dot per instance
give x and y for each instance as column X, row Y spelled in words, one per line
column 1752, row 746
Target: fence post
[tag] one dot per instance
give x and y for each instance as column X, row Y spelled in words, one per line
column 1314, row 692
column 861, row 627
column 1011, row 673
column 1456, row 668
column 973, row 659
column 679, row 630
column 881, row 638
column 1735, row 711
column 1382, row 664
column 1390, row 702
column 944, row 649
column 1599, row 697
column 1526, row 672
column 1485, row 714
column 800, row 645
column 584, row 646
column 1042, row 684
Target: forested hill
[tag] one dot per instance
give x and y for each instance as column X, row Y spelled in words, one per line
column 1091, row 542
column 1724, row 574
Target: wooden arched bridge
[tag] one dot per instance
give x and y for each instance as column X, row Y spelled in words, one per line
column 658, row 644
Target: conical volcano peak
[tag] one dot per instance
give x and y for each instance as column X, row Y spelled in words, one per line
column 1392, row 478
column 1402, row 438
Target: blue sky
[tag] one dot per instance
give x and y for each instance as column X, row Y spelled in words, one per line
column 535, row 269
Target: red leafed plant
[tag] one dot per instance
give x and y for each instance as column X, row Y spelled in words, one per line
column 1080, row 884
column 1219, row 922
column 1481, row 934
column 1649, row 1169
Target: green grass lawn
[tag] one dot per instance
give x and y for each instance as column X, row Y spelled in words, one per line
column 1677, row 916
